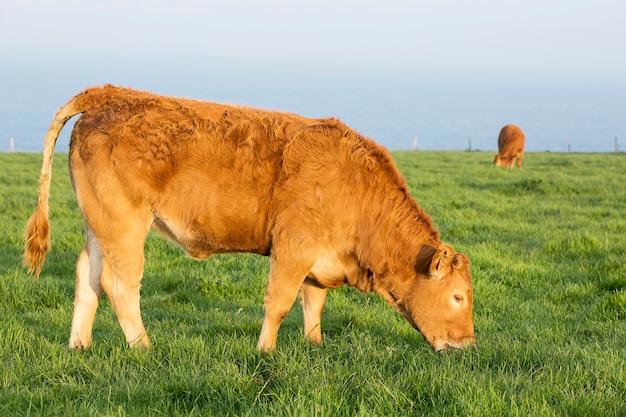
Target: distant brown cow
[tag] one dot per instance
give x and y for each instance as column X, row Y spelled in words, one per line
column 327, row 205
column 510, row 147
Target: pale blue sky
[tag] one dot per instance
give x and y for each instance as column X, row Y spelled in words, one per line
column 521, row 37
column 441, row 70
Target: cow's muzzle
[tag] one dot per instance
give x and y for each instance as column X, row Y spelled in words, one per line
column 467, row 343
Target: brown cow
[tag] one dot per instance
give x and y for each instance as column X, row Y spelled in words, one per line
column 327, row 205
column 510, row 147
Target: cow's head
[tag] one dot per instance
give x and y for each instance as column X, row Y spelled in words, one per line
column 438, row 300
column 501, row 161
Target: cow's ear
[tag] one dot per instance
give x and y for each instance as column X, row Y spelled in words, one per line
column 460, row 261
column 457, row 262
column 441, row 261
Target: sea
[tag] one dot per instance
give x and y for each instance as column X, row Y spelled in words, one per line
column 401, row 110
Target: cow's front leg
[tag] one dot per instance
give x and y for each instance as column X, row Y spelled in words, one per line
column 285, row 279
column 312, row 299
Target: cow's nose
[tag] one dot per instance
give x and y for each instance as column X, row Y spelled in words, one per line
column 470, row 342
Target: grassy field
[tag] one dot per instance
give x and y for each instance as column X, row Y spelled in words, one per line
column 547, row 245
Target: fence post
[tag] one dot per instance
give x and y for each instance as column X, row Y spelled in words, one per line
column 12, row 145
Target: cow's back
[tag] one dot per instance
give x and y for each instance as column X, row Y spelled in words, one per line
column 220, row 178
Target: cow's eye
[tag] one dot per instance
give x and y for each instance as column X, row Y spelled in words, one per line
column 458, row 298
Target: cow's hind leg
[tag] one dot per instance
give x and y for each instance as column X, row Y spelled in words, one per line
column 122, row 270
column 313, row 299
column 88, row 292
column 118, row 222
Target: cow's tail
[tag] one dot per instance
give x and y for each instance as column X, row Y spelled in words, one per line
column 37, row 240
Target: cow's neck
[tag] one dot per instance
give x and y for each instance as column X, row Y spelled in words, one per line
column 395, row 231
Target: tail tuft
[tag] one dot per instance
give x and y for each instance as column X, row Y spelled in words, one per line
column 37, row 242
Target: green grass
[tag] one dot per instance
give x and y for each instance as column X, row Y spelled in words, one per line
column 547, row 245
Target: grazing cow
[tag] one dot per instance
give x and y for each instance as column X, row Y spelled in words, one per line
column 328, row 206
column 510, row 147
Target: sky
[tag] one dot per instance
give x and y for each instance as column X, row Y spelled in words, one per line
column 440, row 68
column 559, row 38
